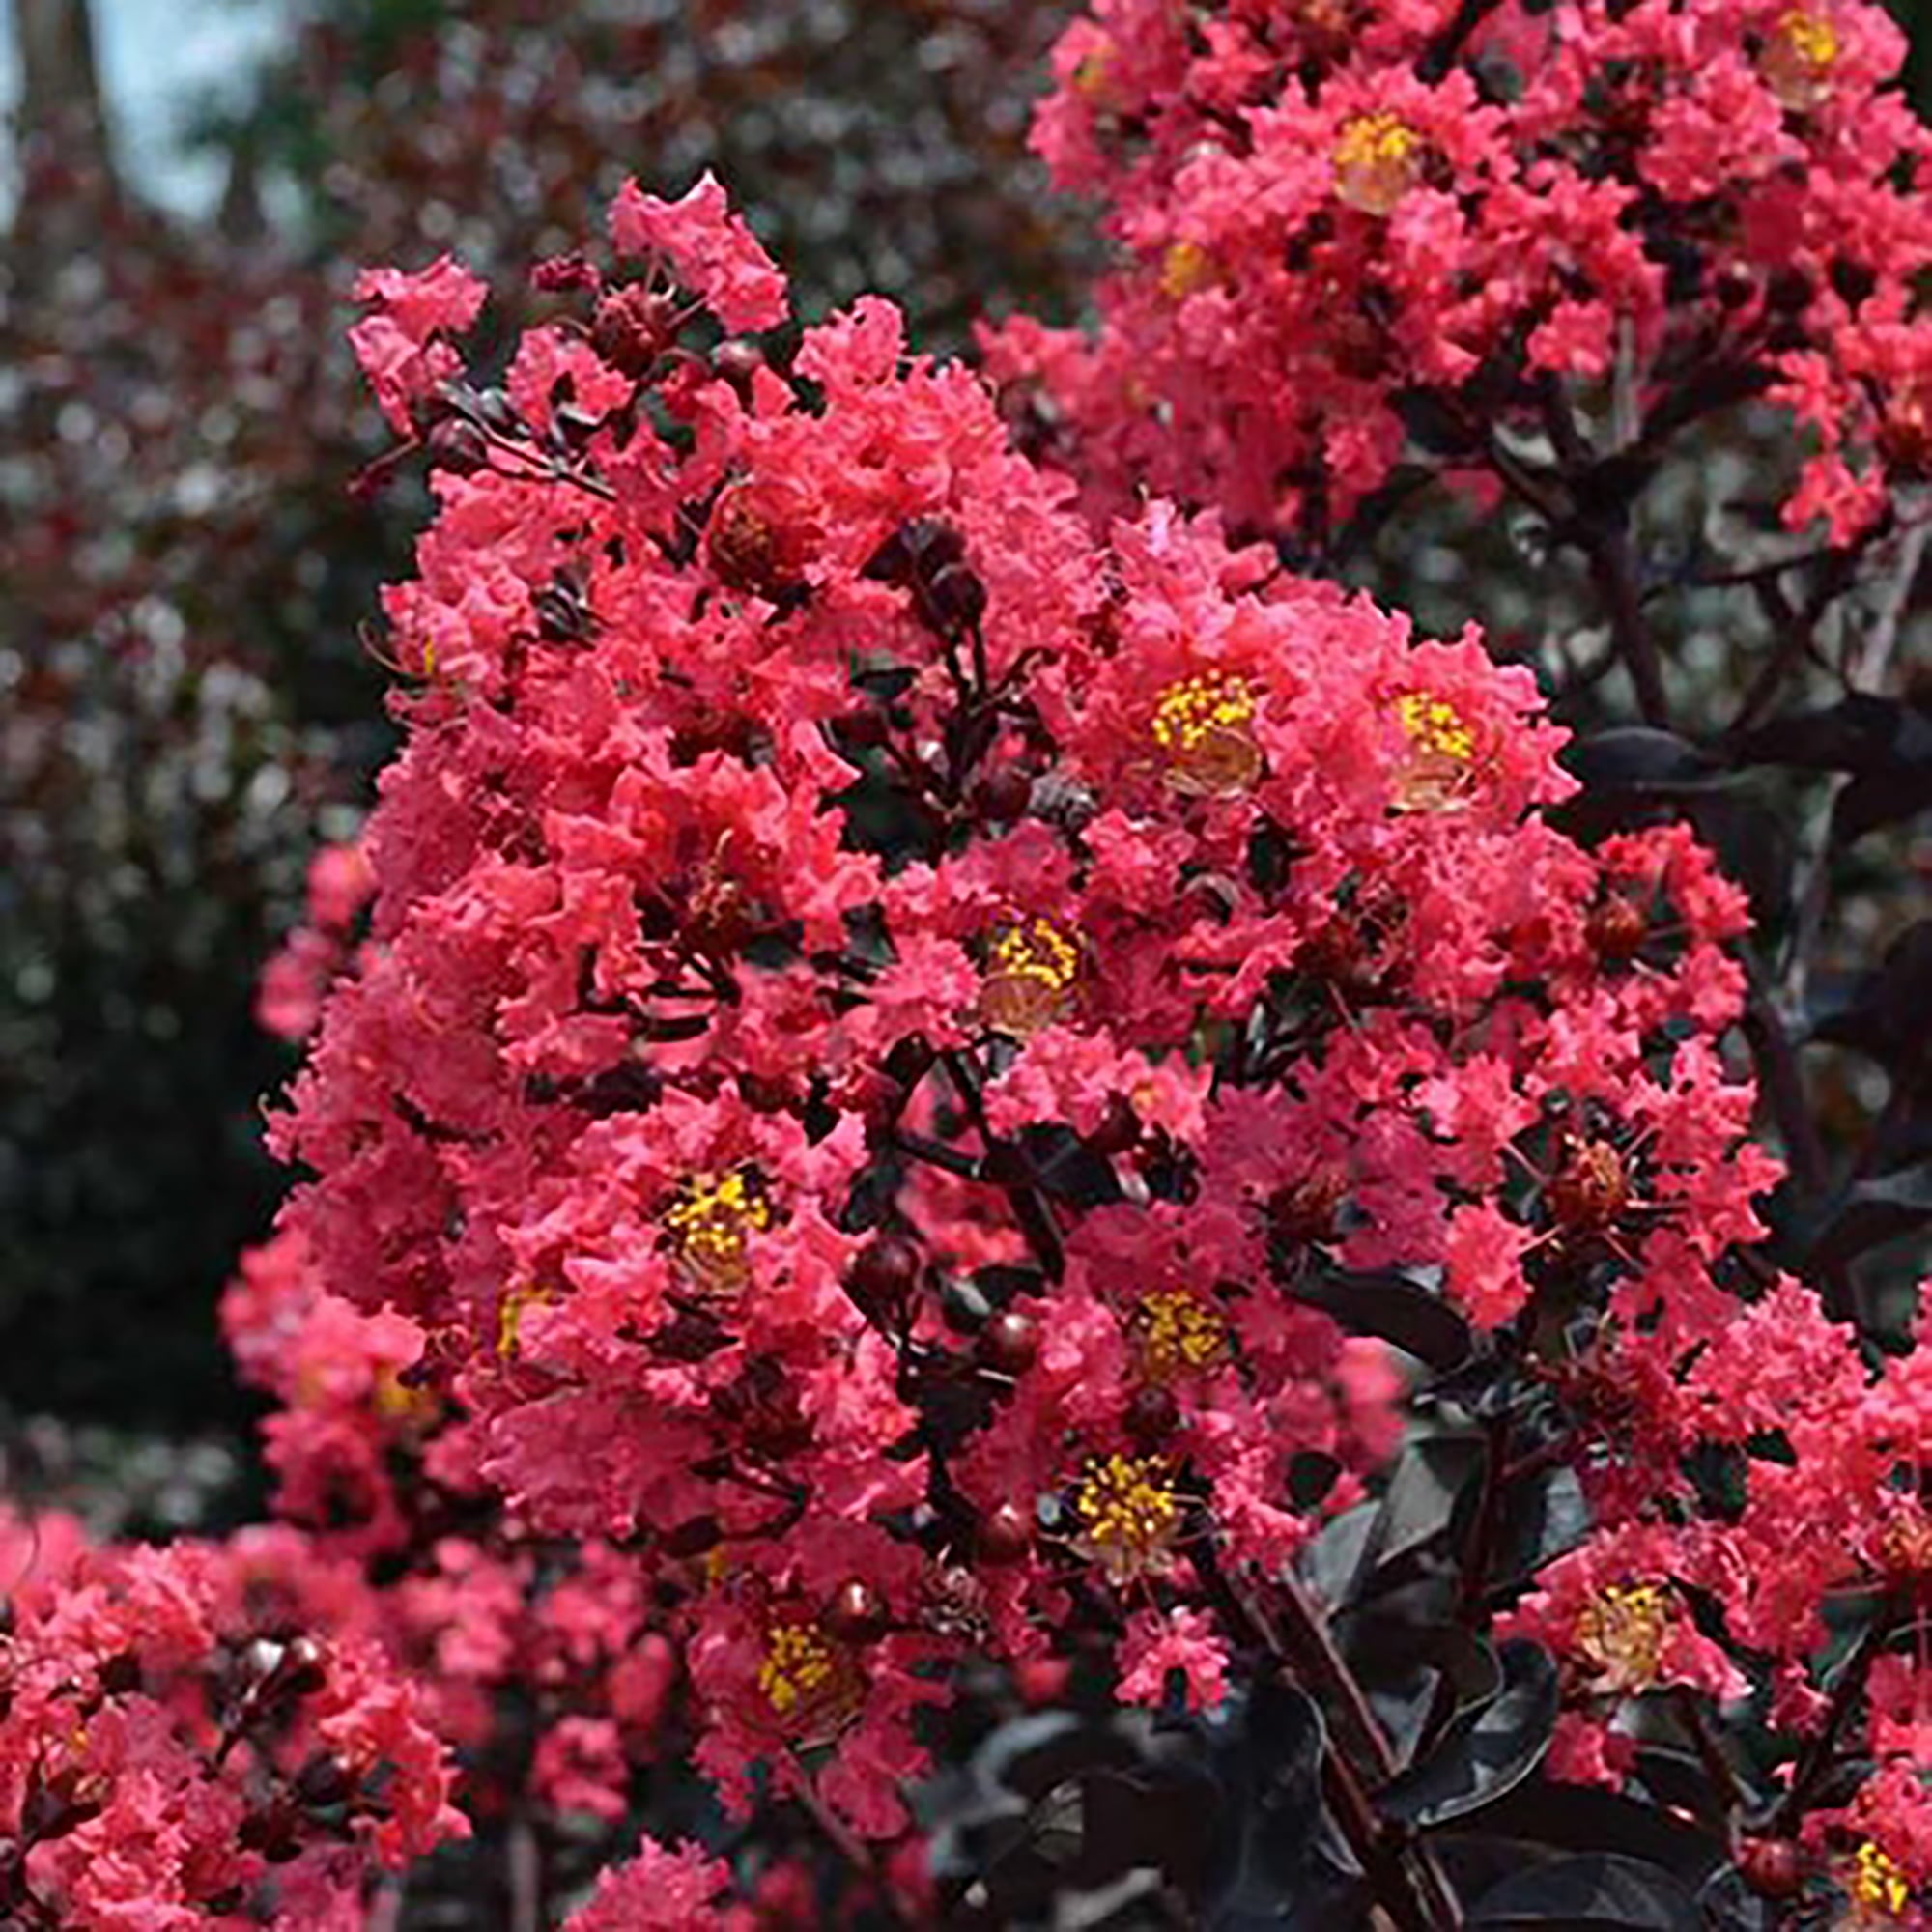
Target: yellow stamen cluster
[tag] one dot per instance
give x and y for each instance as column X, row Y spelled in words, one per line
column 1129, row 1514
column 710, row 1225
column 1031, row 967
column 1435, row 725
column 511, row 1316
column 1877, row 1881
column 397, row 1402
column 1186, row 270
column 1443, row 753
column 1094, row 71
column 1377, row 160
column 799, row 1666
column 807, row 1680
column 1178, row 1333
column 1798, row 58
column 1622, row 1633
column 1901, row 1546
column 1204, row 725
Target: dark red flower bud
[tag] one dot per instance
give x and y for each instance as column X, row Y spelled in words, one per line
column 1003, row 795
column 1009, row 1343
column 737, row 361
column 1618, row 928
column 300, row 1668
column 1772, row 1868
column 120, row 1674
column 1118, row 1129
column 324, row 1780
column 694, row 1538
column 856, row 1614
column 885, row 1275
column 632, row 326
column 1153, row 1415
column 1004, row 1535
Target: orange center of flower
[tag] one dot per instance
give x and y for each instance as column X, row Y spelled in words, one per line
column 1031, row 967
column 1591, row 1188
column 1094, row 72
column 1177, row 1333
column 1901, row 1546
column 710, row 1225
column 1377, row 160
column 1130, row 1515
column 397, row 1402
column 1798, row 59
column 1622, row 1631
column 1186, row 270
column 1204, row 728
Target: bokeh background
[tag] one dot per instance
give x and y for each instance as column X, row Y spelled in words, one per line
column 186, row 190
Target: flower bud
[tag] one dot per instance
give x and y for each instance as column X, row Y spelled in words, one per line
column 1003, row 795
column 1772, row 1868
column 1118, row 1129
column 324, row 1780
column 1009, row 1343
column 1153, row 1415
column 694, row 1538
column 884, row 1276
column 856, row 1614
column 459, row 446
column 1004, row 1535
column 737, row 361
column 633, row 325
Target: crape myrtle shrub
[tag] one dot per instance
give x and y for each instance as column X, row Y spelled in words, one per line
column 888, row 1068
column 1603, row 319
column 187, row 704
column 900, row 1045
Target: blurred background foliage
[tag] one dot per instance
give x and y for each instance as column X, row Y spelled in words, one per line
column 185, row 709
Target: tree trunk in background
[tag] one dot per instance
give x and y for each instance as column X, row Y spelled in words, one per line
column 68, row 186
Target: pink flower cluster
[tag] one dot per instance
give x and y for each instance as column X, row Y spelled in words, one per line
column 889, row 1026
column 1328, row 210
column 202, row 1736
column 901, row 1043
